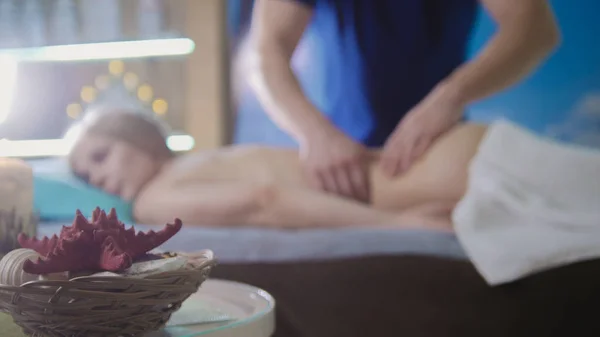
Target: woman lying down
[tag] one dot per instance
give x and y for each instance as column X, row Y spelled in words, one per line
column 125, row 153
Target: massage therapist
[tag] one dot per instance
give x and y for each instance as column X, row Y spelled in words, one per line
column 395, row 75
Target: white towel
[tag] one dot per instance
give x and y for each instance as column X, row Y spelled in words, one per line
column 532, row 204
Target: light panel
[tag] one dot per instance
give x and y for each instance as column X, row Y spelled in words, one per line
column 103, row 50
column 60, row 147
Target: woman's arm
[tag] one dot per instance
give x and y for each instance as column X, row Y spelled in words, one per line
column 209, row 203
column 262, row 205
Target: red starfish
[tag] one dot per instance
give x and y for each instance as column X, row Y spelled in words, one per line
column 102, row 244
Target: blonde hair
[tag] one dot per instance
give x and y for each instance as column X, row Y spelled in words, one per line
column 133, row 127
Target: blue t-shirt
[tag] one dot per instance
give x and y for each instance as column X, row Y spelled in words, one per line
column 373, row 60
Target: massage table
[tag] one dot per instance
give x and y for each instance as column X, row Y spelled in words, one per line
column 367, row 282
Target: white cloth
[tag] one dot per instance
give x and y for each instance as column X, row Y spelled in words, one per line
column 531, row 204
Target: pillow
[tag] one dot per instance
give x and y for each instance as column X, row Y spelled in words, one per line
column 57, row 193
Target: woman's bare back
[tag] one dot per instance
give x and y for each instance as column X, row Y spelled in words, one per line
column 440, row 175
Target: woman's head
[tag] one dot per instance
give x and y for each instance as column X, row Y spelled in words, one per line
column 118, row 151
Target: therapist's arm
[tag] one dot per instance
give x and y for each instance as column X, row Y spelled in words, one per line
column 331, row 160
column 527, row 33
column 277, row 26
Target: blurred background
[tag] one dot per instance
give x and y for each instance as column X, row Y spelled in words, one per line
column 60, row 57
column 180, row 60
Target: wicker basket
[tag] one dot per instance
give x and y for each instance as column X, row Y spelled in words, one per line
column 102, row 306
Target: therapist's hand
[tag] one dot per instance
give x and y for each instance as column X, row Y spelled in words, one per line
column 336, row 164
column 436, row 114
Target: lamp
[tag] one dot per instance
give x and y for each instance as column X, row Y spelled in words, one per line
column 8, row 79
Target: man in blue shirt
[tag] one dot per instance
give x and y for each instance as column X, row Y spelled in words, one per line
column 395, row 75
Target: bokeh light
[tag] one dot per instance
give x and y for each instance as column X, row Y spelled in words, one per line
column 160, row 106
column 130, row 81
column 74, row 110
column 116, row 67
column 102, row 82
column 88, row 94
column 145, row 93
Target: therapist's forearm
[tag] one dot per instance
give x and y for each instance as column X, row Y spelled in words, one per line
column 281, row 95
column 512, row 54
